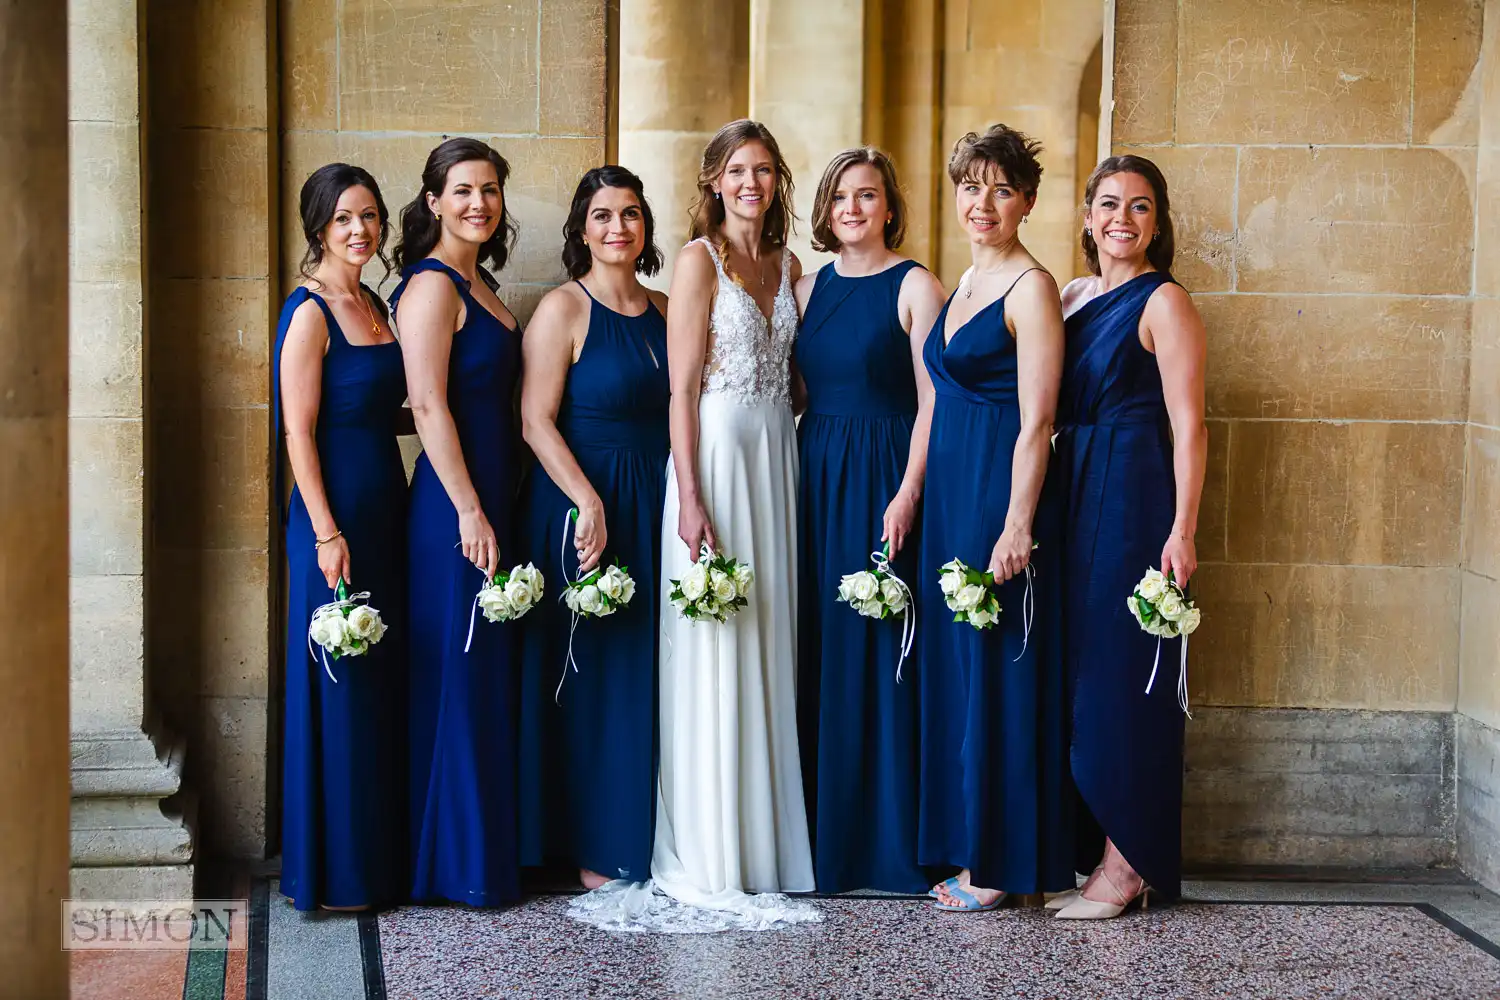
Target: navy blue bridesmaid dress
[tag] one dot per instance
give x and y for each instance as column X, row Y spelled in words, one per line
column 858, row 726
column 1115, row 448
column 588, row 752
column 342, row 840
column 462, row 709
column 994, row 792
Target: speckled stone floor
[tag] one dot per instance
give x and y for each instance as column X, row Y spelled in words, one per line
column 1419, row 939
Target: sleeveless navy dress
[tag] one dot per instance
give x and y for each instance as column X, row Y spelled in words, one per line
column 1114, row 445
column 858, row 727
column 588, row 753
column 342, row 830
column 994, row 794
column 462, row 710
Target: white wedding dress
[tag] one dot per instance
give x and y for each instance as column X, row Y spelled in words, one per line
column 730, row 819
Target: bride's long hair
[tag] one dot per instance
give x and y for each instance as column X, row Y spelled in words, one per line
column 708, row 210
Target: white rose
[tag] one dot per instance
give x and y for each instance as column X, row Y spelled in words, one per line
column 970, row 597
column 724, row 591
column 609, row 585
column 680, row 603
column 1160, row 627
column 327, row 630
column 1134, row 604
column 1188, row 623
column 532, row 577
column 744, row 579
column 363, row 621
column 695, row 582
column 495, row 605
column 1152, row 585
column 982, row 618
column 872, row 608
column 627, row 588
column 570, row 599
column 951, row 581
column 866, row 586
column 1171, row 606
column 893, row 594
column 519, row 593
column 846, row 588
column 590, row 600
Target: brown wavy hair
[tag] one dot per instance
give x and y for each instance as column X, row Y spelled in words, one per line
column 1163, row 246
column 823, row 239
column 1014, row 152
column 708, row 210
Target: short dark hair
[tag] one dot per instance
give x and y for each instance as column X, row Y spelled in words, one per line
column 823, row 239
column 1163, row 245
column 1000, row 147
column 420, row 230
column 576, row 258
column 320, row 199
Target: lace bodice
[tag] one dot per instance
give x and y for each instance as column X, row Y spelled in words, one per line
column 744, row 359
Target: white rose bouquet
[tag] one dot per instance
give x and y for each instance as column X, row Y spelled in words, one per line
column 510, row 595
column 346, row 626
column 1163, row 610
column 601, row 593
column 967, row 592
column 715, row 587
column 880, row 593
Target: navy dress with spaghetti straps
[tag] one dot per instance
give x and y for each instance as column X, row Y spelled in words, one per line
column 462, row 709
column 342, row 833
column 588, row 748
column 1114, row 445
column 858, row 726
column 994, row 795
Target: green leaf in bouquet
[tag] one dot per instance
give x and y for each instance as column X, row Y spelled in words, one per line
column 341, row 590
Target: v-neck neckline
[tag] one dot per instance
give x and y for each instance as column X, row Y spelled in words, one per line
column 943, row 331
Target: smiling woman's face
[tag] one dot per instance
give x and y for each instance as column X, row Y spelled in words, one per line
column 471, row 204
column 1123, row 216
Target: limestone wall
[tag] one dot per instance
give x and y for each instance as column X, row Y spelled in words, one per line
column 1322, row 158
column 1479, row 652
column 210, row 195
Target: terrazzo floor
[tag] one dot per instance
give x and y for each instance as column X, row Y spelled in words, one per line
column 1269, row 938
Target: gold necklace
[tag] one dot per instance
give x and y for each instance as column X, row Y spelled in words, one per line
column 369, row 314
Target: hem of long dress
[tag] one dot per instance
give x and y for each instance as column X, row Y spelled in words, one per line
column 482, row 899
column 1168, row 890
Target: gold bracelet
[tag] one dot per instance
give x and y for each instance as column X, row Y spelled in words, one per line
column 318, row 543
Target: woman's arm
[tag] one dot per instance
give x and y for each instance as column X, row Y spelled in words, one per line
column 918, row 303
column 429, row 318
column 1174, row 332
column 693, row 283
column 551, row 345
column 301, row 394
column 1036, row 312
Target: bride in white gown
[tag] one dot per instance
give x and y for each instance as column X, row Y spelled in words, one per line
column 730, row 819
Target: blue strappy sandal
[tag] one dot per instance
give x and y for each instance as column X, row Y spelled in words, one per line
column 971, row 904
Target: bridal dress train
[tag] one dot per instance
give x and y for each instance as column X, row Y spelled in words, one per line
column 731, row 830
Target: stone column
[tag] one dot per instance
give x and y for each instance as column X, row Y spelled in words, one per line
column 807, row 64
column 34, row 499
column 683, row 74
column 123, row 844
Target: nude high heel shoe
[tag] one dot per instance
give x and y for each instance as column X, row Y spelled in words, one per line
column 1061, row 900
column 1083, row 908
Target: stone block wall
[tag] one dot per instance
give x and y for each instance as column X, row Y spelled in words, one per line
column 1323, row 159
column 211, row 142
column 1479, row 651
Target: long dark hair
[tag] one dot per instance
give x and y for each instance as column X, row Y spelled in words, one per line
column 320, row 198
column 575, row 254
column 420, row 229
column 708, row 211
column 1163, row 246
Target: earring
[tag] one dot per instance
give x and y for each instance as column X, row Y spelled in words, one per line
column 1156, row 234
column 438, row 217
column 1025, row 219
column 718, row 196
column 1088, row 231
